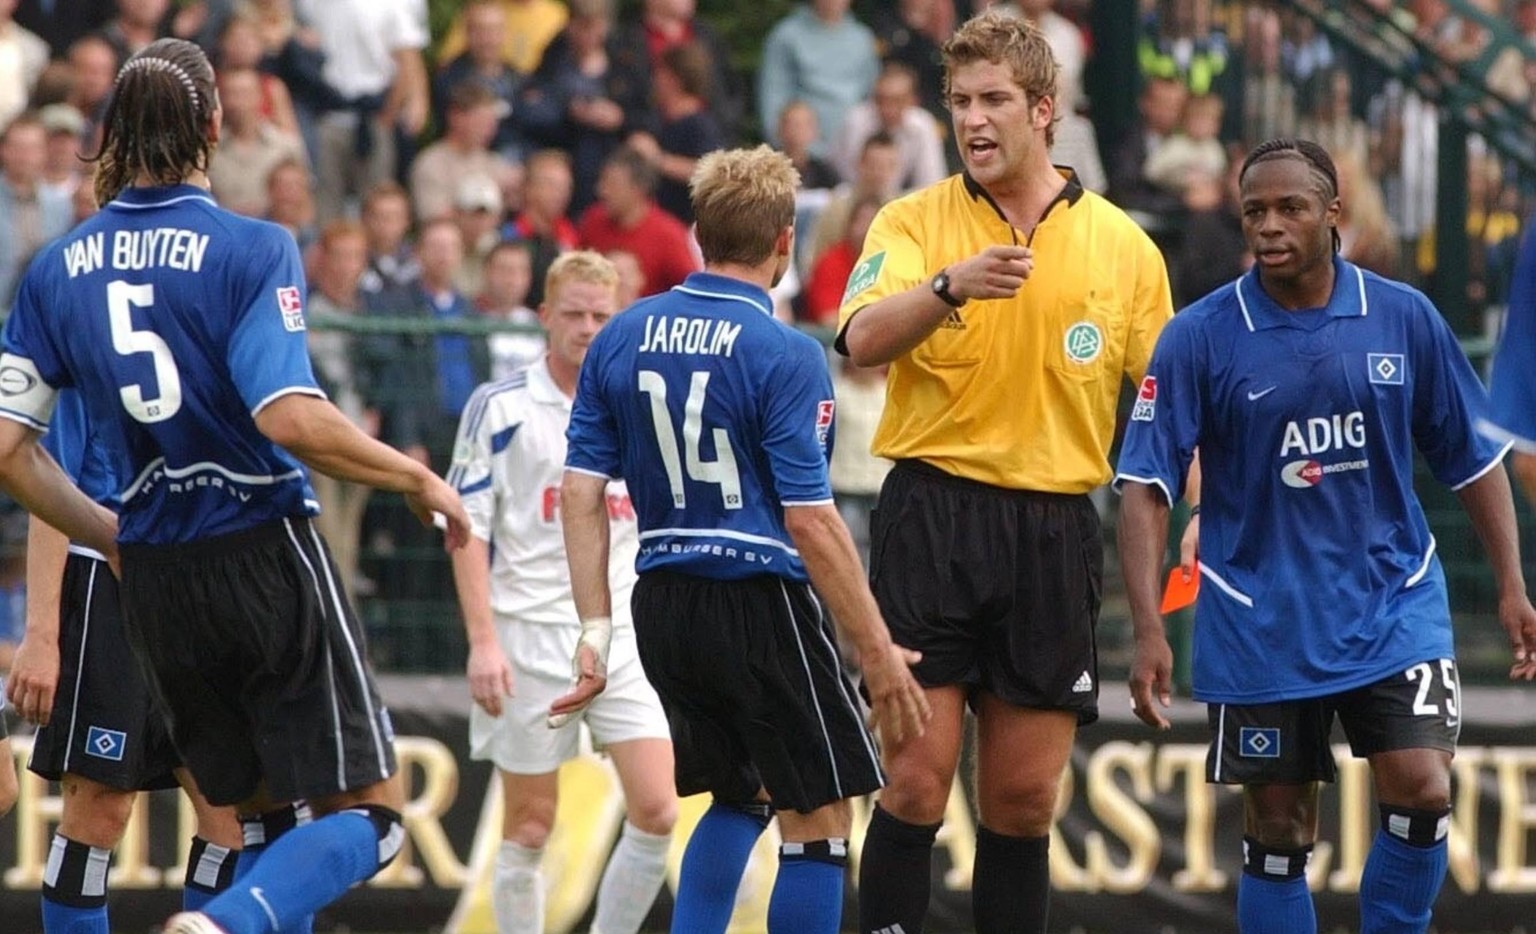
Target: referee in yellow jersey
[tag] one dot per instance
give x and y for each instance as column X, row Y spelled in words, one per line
column 1010, row 304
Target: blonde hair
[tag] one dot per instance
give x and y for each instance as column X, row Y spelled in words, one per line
column 1003, row 39
column 581, row 266
column 743, row 199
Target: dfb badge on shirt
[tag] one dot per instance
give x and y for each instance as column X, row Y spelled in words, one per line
column 1146, row 400
column 292, row 307
column 824, row 410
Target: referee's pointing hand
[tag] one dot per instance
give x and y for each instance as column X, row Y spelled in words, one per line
column 996, row 272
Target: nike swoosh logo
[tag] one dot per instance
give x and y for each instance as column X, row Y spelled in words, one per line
column 1254, row 396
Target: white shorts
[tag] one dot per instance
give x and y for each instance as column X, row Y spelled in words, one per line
column 520, row 741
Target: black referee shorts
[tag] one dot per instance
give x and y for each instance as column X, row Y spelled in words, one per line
column 749, row 675
column 260, row 663
column 999, row 589
column 103, row 726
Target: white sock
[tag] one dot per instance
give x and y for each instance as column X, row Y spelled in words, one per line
column 518, row 898
column 634, row 875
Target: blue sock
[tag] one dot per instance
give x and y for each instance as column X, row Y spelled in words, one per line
column 75, row 888
column 1399, row 885
column 1275, row 906
column 210, row 870
column 305, row 870
column 712, row 867
column 808, row 892
column 261, row 830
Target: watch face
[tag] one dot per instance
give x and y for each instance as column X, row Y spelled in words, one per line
column 941, row 283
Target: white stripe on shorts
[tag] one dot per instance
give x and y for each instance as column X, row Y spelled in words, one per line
column 85, row 638
column 330, row 677
column 837, row 781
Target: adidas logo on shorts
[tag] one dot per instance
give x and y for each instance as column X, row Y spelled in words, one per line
column 893, row 929
column 1084, row 684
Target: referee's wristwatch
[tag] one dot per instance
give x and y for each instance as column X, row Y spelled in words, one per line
column 940, row 286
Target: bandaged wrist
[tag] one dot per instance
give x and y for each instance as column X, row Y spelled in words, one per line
column 596, row 634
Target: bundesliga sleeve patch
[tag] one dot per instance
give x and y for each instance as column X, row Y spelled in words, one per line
column 824, row 411
column 1146, row 400
column 864, row 275
column 292, row 307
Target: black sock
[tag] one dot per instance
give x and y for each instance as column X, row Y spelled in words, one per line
column 1011, row 890
column 895, row 872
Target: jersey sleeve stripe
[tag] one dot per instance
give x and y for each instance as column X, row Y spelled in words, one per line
column 584, row 471
column 501, row 439
column 807, row 502
column 1504, row 436
column 1496, row 461
column 1146, row 481
column 22, row 417
column 286, row 391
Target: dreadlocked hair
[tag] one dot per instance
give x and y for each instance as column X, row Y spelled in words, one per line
column 156, row 122
column 1313, row 155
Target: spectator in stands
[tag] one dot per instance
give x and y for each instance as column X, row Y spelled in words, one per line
column 1077, row 143
column 686, row 129
column 1366, row 234
column 30, row 214
column 23, row 55
column 911, row 32
column 1304, row 52
column 829, row 274
column 504, row 297
column 340, row 259
column 240, row 47
column 1179, row 45
column 82, row 202
column 463, row 151
column 529, row 26
column 482, row 62
column 856, row 474
column 95, row 68
column 291, row 201
column 62, row 165
column 387, row 221
column 1160, row 107
column 797, row 132
column 626, row 217
column 1212, row 251
column 665, row 23
column 136, row 25
column 631, row 276
column 543, row 224
column 250, row 145
column 377, row 82
column 477, row 209
column 1269, row 98
column 819, row 54
column 1330, row 122
column 1192, row 148
column 60, row 24
column 584, row 98
column 459, row 363
column 877, row 176
column 893, row 109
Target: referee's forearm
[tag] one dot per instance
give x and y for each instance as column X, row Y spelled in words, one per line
column 1143, row 539
column 881, row 332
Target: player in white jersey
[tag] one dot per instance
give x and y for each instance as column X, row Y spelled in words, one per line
column 515, row 593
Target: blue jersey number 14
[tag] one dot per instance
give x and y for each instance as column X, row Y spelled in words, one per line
column 721, row 471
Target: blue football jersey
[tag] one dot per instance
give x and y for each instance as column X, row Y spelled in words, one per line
column 1319, row 568
column 84, row 450
column 177, row 321
column 1513, row 386
column 717, row 416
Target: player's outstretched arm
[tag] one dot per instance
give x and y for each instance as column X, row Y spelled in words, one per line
column 1490, row 504
column 584, row 520
column 1143, row 539
column 315, row 431
column 35, row 670
column 900, row 706
column 35, row 480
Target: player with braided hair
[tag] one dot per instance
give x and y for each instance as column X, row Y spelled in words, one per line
column 181, row 327
column 1307, row 385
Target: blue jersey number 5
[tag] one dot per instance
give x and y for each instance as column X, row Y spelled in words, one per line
column 122, row 297
column 721, row 471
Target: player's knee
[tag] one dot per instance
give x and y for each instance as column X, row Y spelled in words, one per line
column 8, row 788
column 95, row 814
column 1280, row 830
column 387, row 826
column 916, row 793
column 529, row 822
column 1019, row 809
column 1422, row 786
column 654, row 814
column 1421, row 827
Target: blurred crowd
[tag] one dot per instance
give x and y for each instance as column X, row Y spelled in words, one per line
column 437, row 177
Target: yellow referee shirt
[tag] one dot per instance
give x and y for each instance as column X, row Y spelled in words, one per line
column 1018, row 393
